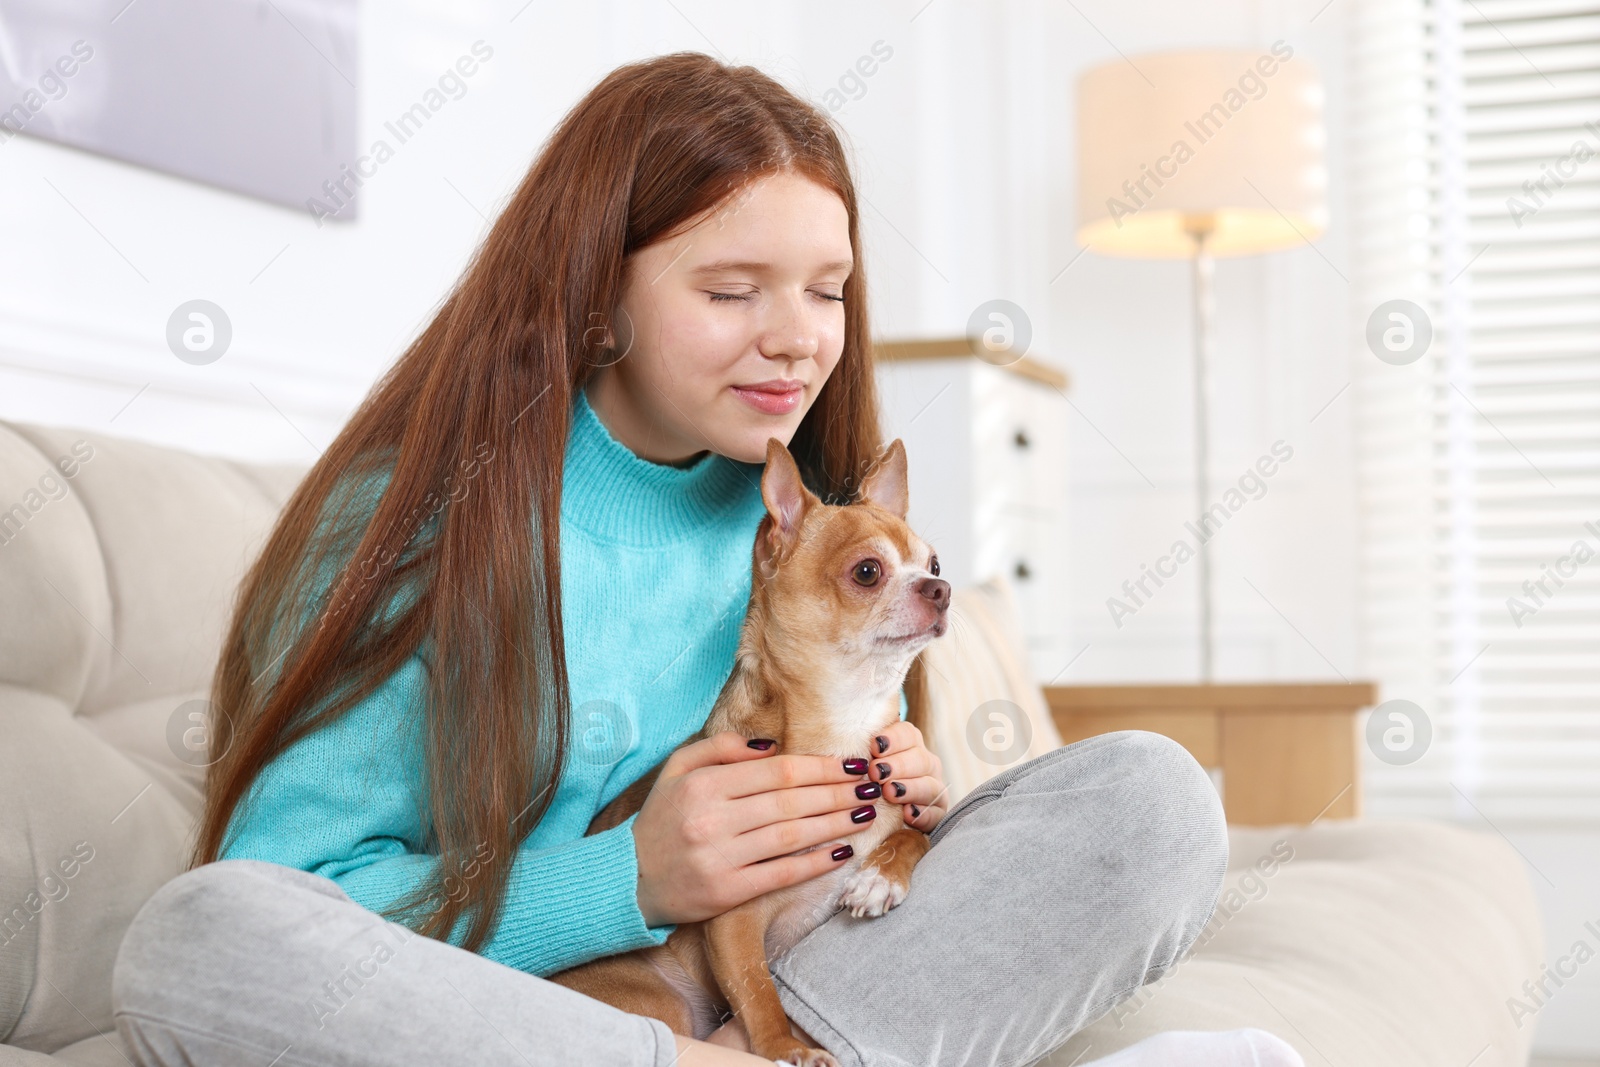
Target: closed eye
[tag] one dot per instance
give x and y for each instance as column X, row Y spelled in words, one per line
column 746, row 296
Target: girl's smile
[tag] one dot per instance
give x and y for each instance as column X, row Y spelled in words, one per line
column 775, row 396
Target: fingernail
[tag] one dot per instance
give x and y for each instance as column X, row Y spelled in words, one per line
column 855, row 765
column 899, row 788
column 843, row 852
column 883, row 770
column 763, row 743
column 915, row 811
column 869, row 790
column 883, row 744
column 864, row 813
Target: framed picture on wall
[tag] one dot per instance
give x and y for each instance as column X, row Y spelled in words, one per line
column 255, row 96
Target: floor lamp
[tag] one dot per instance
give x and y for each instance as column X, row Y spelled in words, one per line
column 1199, row 155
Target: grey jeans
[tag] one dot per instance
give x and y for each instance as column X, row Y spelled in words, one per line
column 1052, row 892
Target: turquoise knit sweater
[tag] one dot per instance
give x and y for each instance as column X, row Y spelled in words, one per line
column 655, row 580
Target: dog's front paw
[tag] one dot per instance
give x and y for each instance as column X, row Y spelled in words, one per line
column 869, row 894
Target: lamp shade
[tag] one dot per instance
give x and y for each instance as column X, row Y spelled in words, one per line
column 1220, row 143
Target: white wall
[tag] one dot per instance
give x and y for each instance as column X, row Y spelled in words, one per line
column 1285, row 564
column 963, row 142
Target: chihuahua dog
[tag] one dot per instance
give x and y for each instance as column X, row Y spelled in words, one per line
column 843, row 598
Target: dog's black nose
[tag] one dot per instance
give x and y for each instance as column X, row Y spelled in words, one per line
column 936, row 590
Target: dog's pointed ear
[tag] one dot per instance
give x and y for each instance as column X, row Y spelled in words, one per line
column 886, row 485
column 785, row 495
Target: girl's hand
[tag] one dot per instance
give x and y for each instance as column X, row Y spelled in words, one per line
column 910, row 775
column 723, row 822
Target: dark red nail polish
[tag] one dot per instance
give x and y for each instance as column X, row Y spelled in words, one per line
column 855, row 765
column 843, row 852
column 883, row 744
column 869, row 790
column 883, row 770
column 864, row 813
column 899, row 789
column 915, row 811
column 762, row 743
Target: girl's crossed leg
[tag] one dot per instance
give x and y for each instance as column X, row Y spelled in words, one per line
column 1053, row 891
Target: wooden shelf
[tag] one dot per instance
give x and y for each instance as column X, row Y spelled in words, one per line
column 1283, row 696
column 1289, row 753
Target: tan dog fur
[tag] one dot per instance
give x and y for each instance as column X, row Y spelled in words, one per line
column 819, row 667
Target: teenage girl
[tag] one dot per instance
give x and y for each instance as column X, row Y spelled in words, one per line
column 514, row 583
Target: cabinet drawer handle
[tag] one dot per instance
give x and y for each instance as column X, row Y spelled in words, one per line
column 1022, row 570
column 1021, row 439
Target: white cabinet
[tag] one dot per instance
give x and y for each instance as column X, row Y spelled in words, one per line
column 987, row 451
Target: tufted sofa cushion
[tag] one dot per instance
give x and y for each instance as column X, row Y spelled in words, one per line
column 118, row 565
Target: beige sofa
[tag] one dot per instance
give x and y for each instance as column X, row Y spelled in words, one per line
column 1361, row 943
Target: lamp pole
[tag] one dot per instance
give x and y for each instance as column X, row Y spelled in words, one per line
column 1128, row 116
column 1199, row 228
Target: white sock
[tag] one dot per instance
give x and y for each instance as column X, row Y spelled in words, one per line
column 1249, row 1047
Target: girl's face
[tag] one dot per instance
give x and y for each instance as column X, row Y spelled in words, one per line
column 751, row 296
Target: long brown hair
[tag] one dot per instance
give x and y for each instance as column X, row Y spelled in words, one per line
column 470, row 426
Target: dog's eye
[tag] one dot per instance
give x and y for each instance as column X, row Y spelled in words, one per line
column 866, row 572
column 933, row 566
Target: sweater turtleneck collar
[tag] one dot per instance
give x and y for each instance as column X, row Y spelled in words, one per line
column 613, row 494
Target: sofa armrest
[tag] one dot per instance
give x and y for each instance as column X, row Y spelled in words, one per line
column 1288, row 753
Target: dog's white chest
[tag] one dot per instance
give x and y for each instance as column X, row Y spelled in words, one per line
column 800, row 909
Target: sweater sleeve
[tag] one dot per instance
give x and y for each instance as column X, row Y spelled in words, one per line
column 342, row 802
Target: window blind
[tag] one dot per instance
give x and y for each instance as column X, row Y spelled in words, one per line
column 1476, row 195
